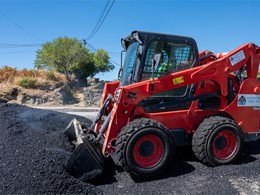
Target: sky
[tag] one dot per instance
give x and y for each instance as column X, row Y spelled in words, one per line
column 218, row 26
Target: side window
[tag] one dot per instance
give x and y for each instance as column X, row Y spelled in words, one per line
column 167, row 57
column 147, row 71
column 184, row 55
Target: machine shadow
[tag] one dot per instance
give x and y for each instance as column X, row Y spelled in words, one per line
column 177, row 169
column 250, row 148
column 180, row 166
column 253, row 147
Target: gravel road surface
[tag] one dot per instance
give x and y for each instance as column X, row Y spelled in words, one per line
column 34, row 151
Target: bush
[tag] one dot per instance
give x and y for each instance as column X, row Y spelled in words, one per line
column 27, row 73
column 27, row 78
column 8, row 74
column 27, row 82
column 51, row 76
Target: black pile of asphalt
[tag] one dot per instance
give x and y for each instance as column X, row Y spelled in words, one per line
column 34, row 152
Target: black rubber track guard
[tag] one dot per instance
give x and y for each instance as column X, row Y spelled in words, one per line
column 86, row 162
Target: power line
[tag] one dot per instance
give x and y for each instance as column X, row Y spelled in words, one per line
column 114, row 52
column 91, row 46
column 20, row 27
column 13, row 45
column 100, row 22
column 100, row 18
column 96, row 50
column 12, row 52
column 115, row 63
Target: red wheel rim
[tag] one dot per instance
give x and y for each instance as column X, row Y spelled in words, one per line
column 224, row 144
column 148, row 151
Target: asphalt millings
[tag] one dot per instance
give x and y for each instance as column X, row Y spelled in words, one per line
column 34, row 151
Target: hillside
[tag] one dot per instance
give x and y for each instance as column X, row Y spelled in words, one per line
column 40, row 88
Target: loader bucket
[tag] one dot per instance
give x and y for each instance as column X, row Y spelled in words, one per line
column 86, row 162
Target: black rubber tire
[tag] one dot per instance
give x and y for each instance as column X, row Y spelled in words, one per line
column 204, row 141
column 128, row 138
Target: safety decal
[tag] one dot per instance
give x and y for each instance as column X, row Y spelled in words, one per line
column 239, row 56
column 249, row 100
column 178, row 80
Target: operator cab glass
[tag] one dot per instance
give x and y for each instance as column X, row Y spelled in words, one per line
column 166, row 57
column 130, row 63
column 161, row 58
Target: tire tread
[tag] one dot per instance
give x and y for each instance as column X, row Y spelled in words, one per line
column 201, row 135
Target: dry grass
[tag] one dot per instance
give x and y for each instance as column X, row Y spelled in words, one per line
column 37, row 87
column 12, row 76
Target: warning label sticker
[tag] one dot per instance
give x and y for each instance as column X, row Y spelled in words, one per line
column 178, row 80
column 248, row 100
column 239, row 56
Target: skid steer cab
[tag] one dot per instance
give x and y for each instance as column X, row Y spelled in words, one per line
column 170, row 95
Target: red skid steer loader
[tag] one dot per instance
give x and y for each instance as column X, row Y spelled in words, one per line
column 170, row 95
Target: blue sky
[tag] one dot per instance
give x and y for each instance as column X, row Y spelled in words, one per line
column 219, row 26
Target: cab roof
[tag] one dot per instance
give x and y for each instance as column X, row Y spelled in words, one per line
column 144, row 37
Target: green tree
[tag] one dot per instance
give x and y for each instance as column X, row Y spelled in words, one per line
column 70, row 56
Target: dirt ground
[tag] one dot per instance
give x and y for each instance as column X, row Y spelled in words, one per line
column 34, row 151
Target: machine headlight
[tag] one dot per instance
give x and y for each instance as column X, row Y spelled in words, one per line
column 118, row 93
